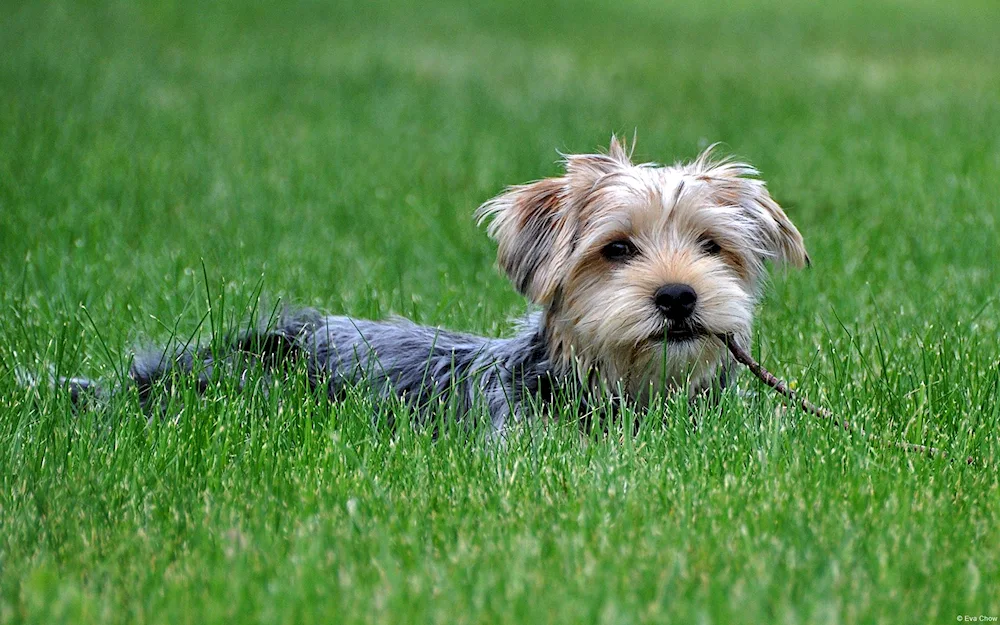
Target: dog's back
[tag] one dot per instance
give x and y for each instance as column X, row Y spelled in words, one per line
column 422, row 366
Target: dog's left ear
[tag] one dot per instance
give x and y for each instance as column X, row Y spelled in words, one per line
column 786, row 238
column 735, row 184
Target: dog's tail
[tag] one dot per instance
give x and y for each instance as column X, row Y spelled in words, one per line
column 81, row 390
column 268, row 346
column 153, row 370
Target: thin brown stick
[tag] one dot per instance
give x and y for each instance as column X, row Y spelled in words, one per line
column 765, row 376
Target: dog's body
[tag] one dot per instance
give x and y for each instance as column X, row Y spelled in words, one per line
column 637, row 269
column 422, row 366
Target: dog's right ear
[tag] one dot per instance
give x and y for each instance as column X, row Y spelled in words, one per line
column 534, row 224
column 534, row 231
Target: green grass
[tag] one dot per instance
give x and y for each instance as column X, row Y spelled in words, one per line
column 331, row 154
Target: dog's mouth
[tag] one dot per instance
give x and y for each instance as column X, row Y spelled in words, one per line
column 679, row 334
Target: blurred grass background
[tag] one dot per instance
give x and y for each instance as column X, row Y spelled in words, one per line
column 331, row 154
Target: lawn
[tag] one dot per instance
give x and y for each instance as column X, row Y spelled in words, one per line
column 176, row 168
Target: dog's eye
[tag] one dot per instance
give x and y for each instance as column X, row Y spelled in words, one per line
column 619, row 251
column 710, row 247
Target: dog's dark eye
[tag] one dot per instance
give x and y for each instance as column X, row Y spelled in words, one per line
column 710, row 247
column 619, row 251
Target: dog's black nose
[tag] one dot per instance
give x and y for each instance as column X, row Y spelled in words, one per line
column 675, row 301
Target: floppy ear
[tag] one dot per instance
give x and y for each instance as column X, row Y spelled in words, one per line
column 534, row 224
column 534, row 231
column 785, row 237
column 735, row 184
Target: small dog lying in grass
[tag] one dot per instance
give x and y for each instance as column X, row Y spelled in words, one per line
column 637, row 271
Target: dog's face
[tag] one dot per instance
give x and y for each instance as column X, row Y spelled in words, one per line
column 639, row 267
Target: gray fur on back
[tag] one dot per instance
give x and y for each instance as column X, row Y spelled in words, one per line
column 423, row 366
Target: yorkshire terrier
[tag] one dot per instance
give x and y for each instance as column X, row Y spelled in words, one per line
column 638, row 271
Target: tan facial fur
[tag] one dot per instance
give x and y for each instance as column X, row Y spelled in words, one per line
column 708, row 225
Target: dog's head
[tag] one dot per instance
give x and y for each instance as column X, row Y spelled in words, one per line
column 640, row 267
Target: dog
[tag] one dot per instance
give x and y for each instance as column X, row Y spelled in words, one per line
column 637, row 274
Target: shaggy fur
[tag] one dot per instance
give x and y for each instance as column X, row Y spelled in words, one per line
column 594, row 250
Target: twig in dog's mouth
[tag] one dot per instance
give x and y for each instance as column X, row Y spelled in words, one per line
column 765, row 376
